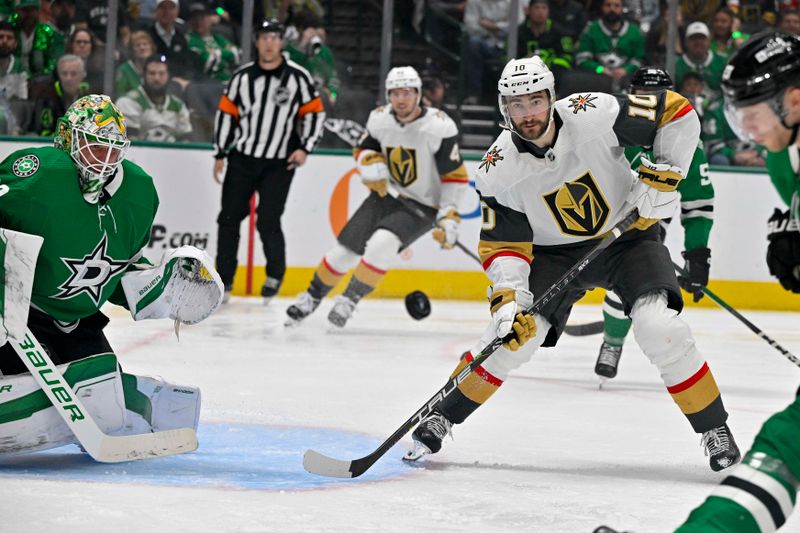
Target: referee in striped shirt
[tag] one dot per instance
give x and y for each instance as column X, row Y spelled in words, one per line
column 268, row 121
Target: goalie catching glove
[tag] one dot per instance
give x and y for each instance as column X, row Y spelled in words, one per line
column 446, row 233
column 654, row 193
column 507, row 317
column 184, row 287
column 374, row 173
column 783, row 252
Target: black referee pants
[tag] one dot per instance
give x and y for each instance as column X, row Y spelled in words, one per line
column 246, row 175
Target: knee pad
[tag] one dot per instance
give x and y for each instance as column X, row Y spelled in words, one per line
column 34, row 426
column 663, row 337
column 155, row 405
column 341, row 259
column 381, row 249
column 503, row 361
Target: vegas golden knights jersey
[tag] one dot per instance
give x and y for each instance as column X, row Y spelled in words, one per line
column 576, row 189
column 423, row 157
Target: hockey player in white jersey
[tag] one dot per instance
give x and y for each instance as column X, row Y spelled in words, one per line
column 412, row 149
column 550, row 185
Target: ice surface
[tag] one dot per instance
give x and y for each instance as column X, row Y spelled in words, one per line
column 549, row 453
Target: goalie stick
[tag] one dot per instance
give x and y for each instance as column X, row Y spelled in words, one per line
column 755, row 329
column 323, row 465
column 101, row 447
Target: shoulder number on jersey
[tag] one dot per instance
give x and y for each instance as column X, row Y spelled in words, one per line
column 643, row 105
column 488, row 217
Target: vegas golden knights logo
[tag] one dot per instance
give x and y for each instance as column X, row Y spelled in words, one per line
column 402, row 164
column 579, row 207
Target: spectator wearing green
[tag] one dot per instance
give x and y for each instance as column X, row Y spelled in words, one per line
column 311, row 53
column 699, row 57
column 611, row 46
column 46, row 43
column 218, row 55
column 538, row 36
column 129, row 74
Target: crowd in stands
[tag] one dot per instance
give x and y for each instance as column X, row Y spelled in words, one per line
column 172, row 59
column 595, row 45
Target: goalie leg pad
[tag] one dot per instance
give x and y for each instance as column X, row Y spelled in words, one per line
column 184, row 287
column 29, row 422
column 156, row 405
column 503, row 361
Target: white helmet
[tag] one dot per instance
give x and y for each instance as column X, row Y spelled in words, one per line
column 402, row 77
column 524, row 76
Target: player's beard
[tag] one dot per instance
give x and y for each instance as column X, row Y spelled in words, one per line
column 532, row 129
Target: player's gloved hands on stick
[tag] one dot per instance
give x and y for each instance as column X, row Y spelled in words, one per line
column 697, row 264
column 507, row 306
column 783, row 252
column 374, row 172
column 654, row 193
column 447, row 232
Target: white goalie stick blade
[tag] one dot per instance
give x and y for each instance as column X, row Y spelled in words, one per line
column 101, row 447
column 322, row 465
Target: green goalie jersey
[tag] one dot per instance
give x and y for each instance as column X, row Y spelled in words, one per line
column 87, row 247
column 784, row 171
column 697, row 197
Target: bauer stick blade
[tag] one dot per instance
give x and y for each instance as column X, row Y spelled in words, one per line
column 101, row 447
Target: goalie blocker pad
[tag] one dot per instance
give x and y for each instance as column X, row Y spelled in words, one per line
column 120, row 404
column 184, row 287
column 18, row 255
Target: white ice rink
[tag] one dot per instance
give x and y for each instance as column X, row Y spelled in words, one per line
column 549, row 453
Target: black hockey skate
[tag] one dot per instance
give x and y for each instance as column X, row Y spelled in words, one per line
column 270, row 289
column 304, row 306
column 428, row 436
column 719, row 445
column 608, row 360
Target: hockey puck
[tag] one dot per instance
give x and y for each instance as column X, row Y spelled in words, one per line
column 418, row 305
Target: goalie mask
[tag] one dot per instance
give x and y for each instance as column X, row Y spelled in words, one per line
column 92, row 132
column 404, row 78
column 755, row 84
column 526, row 89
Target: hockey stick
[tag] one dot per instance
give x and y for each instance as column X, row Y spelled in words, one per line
column 582, row 330
column 101, row 447
column 317, row 463
column 755, row 329
column 421, row 214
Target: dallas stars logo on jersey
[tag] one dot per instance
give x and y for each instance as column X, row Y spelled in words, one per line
column 582, row 103
column 579, row 207
column 25, row 166
column 91, row 273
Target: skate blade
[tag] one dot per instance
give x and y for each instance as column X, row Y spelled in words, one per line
column 416, row 453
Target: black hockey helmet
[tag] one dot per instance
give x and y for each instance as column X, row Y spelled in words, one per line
column 650, row 78
column 270, row 25
column 762, row 68
column 418, row 305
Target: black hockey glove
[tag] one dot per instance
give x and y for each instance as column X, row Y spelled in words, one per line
column 697, row 263
column 783, row 252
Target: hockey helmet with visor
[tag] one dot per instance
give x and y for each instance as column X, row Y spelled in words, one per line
column 754, row 85
column 526, row 88
column 649, row 80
